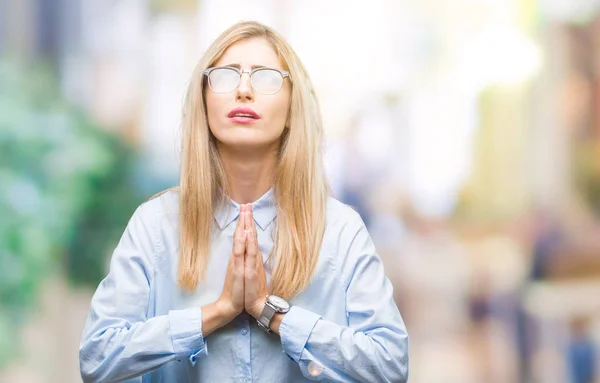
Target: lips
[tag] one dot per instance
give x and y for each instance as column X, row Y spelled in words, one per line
column 243, row 113
column 243, row 116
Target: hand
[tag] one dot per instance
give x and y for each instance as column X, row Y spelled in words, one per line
column 231, row 301
column 255, row 281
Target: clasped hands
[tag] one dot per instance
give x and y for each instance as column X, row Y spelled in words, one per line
column 245, row 286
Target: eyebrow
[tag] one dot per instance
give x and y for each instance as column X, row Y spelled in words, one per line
column 238, row 66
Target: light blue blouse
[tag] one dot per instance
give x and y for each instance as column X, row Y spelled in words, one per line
column 345, row 327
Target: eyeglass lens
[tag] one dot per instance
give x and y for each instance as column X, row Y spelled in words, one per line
column 264, row 81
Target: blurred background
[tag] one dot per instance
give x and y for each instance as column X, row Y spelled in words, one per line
column 466, row 133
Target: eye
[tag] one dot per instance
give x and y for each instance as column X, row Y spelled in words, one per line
column 267, row 81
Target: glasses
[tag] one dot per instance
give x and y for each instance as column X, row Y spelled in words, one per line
column 225, row 79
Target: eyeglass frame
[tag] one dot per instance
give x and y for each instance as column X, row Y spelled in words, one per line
column 241, row 72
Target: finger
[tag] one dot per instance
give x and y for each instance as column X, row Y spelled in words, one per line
column 239, row 227
column 253, row 226
column 250, row 251
column 244, row 218
column 239, row 262
column 247, row 218
column 248, row 229
column 251, row 223
column 236, row 258
column 252, row 245
column 254, row 237
column 239, row 239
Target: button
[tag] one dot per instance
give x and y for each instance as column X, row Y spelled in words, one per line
column 244, row 331
column 315, row 369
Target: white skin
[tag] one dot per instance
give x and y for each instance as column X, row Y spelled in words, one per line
column 249, row 153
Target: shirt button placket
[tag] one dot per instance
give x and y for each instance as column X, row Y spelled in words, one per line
column 245, row 348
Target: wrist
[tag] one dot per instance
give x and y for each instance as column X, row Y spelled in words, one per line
column 276, row 322
column 258, row 307
column 225, row 311
column 214, row 316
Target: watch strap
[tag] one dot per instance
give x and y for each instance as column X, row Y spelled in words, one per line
column 266, row 316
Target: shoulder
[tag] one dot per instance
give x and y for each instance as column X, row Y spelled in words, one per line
column 341, row 215
column 152, row 224
column 342, row 225
column 162, row 205
column 154, row 215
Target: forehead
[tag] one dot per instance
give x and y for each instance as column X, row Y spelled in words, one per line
column 248, row 53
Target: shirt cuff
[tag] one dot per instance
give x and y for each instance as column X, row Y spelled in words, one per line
column 294, row 330
column 186, row 333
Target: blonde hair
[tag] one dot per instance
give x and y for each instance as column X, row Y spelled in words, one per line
column 300, row 183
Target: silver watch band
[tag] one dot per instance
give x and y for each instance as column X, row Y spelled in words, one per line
column 266, row 316
column 273, row 304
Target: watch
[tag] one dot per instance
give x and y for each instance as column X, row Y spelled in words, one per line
column 274, row 304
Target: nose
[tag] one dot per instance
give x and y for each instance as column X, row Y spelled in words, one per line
column 244, row 90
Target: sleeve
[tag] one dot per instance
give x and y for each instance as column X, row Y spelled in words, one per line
column 119, row 341
column 374, row 345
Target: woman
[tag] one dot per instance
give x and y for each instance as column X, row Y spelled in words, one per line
column 247, row 271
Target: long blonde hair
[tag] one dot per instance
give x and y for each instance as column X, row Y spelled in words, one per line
column 300, row 183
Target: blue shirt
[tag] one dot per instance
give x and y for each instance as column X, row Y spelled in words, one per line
column 343, row 327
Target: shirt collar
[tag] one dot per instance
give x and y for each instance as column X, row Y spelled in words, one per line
column 264, row 211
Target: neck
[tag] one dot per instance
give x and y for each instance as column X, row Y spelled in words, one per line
column 249, row 174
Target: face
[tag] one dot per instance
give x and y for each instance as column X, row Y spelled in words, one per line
column 270, row 111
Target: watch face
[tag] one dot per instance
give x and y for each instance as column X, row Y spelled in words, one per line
column 279, row 302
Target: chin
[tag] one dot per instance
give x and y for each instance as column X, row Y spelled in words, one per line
column 245, row 137
column 240, row 143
